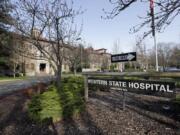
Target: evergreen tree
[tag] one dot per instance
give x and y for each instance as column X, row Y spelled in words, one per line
column 5, row 37
column 5, row 18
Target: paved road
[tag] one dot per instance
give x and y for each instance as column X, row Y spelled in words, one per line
column 11, row 86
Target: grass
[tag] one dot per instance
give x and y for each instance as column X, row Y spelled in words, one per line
column 70, row 75
column 177, row 99
column 12, row 78
column 56, row 105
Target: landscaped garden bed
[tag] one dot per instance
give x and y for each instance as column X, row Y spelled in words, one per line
column 65, row 113
column 58, row 104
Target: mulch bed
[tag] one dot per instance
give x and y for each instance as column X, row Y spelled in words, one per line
column 143, row 115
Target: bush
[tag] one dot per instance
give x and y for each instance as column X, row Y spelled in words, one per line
column 72, row 94
column 177, row 100
column 46, row 105
column 58, row 104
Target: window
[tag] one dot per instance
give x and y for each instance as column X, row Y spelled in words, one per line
column 32, row 67
column 65, row 67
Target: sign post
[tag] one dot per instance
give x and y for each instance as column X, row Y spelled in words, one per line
column 131, row 56
column 124, row 100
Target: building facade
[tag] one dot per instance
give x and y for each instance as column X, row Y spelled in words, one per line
column 31, row 62
column 99, row 60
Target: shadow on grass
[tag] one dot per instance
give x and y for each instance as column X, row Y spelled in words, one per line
column 65, row 107
column 76, row 119
column 17, row 122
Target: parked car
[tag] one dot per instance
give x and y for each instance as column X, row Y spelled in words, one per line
column 1, row 73
column 172, row 69
column 9, row 73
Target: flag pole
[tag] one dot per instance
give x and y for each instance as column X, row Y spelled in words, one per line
column 157, row 69
column 153, row 32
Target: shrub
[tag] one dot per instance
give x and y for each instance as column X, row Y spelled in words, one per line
column 56, row 104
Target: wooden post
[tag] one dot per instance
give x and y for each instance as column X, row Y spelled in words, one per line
column 124, row 100
column 86, row 87
column 14, row 70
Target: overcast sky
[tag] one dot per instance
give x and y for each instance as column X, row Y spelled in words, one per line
column 102, row 33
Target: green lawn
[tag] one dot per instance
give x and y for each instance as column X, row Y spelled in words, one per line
column 55, row 105
column 12, row 78
column 177, row 99
column 70, row 74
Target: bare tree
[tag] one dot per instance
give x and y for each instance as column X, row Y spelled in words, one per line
column 168, row 54
column 116, row 50
column 51, row 21
column 5, row 38
column 75, row 58
column 141, row 54
column 175, row 56
column 116, row 47
column 164, row 51
column 166, row 11
column 105, row 63
column 85, row 61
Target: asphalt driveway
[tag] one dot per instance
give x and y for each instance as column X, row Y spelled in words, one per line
column 12, row 86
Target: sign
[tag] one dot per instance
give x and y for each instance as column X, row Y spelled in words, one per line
column 131, row 56
column 154, row 88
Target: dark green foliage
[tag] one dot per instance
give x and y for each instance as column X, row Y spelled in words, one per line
column 5, row 9
column 178, row 98
column 5, row 37
column 176, row 101
column 56, row 104
column 35, row 107
column 72, row 96
column 45, row 106
column 113, row 67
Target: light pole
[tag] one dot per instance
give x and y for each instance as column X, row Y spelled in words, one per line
column 80, row 45
column 157, row 67
column 153, row 31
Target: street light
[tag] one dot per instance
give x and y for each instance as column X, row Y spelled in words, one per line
column 80, row 45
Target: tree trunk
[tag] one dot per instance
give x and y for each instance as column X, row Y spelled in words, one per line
column 74, row 69
column 58, row 78
column 23, row 68
column 14, row 70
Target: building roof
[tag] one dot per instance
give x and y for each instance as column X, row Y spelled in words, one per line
column 100, row 49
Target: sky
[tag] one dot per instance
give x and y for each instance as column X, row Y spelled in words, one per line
column 101, row 33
